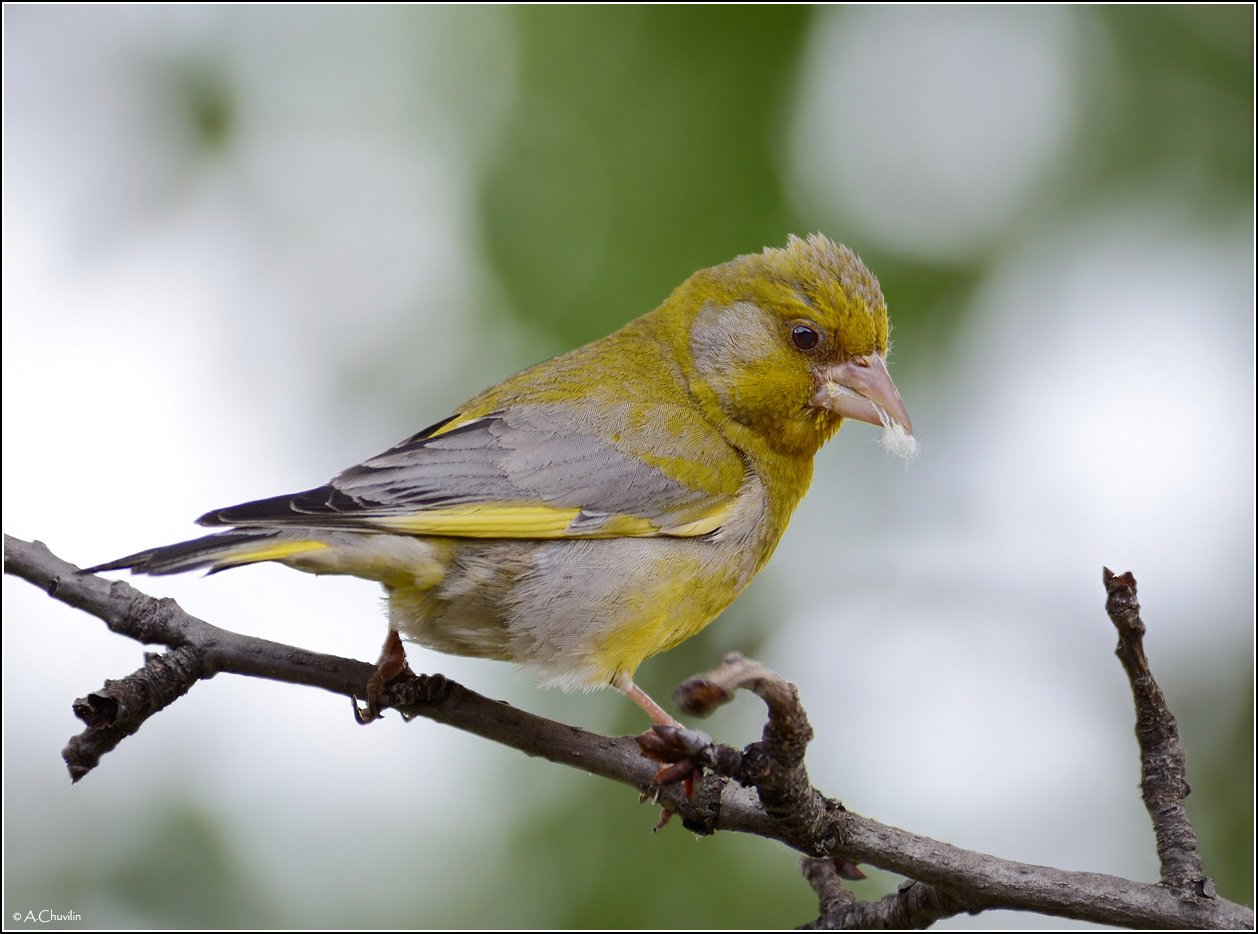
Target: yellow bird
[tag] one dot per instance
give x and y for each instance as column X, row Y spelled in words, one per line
column 605, row 505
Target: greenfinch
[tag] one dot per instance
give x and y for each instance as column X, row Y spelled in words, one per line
column 607, row 504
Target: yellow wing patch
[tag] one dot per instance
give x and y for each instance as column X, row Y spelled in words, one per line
column 484, row 521
column 458, row 421
column 535, row 520
column 704, row 524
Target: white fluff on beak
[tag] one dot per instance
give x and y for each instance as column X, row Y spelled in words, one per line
column 897, row 441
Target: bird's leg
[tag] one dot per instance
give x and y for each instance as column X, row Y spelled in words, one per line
column 624, row 684
column 391, row 664
column 665, row 742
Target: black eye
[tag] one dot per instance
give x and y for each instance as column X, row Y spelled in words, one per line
column 804, row 337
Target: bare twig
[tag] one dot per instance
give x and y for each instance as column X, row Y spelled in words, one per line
column 912, row 905
column 1163, row 769
column 805, row 818
column 948, row 877
column 120, row 708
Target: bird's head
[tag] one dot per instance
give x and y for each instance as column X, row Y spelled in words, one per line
column 789, row 342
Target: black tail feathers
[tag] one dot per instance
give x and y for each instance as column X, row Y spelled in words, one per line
column 213, row 551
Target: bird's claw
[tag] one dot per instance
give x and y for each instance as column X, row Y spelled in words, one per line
column 687, row 772
column 365, row 715
column 665, row 816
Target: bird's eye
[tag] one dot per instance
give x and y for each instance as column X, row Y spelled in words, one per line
column 804, row 337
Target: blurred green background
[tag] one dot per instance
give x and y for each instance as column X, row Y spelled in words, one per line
column 247, row 246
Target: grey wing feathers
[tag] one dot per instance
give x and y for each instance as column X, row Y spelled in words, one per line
column 527, row 454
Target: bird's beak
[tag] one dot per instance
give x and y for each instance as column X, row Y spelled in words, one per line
column 861, row 388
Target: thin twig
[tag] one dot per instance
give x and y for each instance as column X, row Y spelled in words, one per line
column 1163, row 766
column 912, row 905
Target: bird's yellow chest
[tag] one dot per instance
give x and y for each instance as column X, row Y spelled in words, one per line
column 689, row 592
column 689, row 582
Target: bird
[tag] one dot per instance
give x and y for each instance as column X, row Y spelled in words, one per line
column 607, row 504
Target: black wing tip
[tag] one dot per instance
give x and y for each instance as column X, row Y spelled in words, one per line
column 271, row 509
column 142, row 562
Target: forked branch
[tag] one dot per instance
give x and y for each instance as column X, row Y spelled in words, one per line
column 762, row 789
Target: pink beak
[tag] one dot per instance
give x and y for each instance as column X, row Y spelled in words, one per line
column 861, row 388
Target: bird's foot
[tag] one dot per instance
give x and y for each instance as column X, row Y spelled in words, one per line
column 678, row 750
column 392, row 665
column 669, row 743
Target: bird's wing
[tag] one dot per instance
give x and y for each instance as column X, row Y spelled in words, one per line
column 529, row 471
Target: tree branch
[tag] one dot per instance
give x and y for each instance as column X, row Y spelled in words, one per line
column 778, row 801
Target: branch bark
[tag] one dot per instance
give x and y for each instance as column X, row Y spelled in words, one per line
column 763, row 789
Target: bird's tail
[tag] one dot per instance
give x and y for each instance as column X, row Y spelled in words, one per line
column 217, row 552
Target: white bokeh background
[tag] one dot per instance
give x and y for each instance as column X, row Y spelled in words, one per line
column 182, row 333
